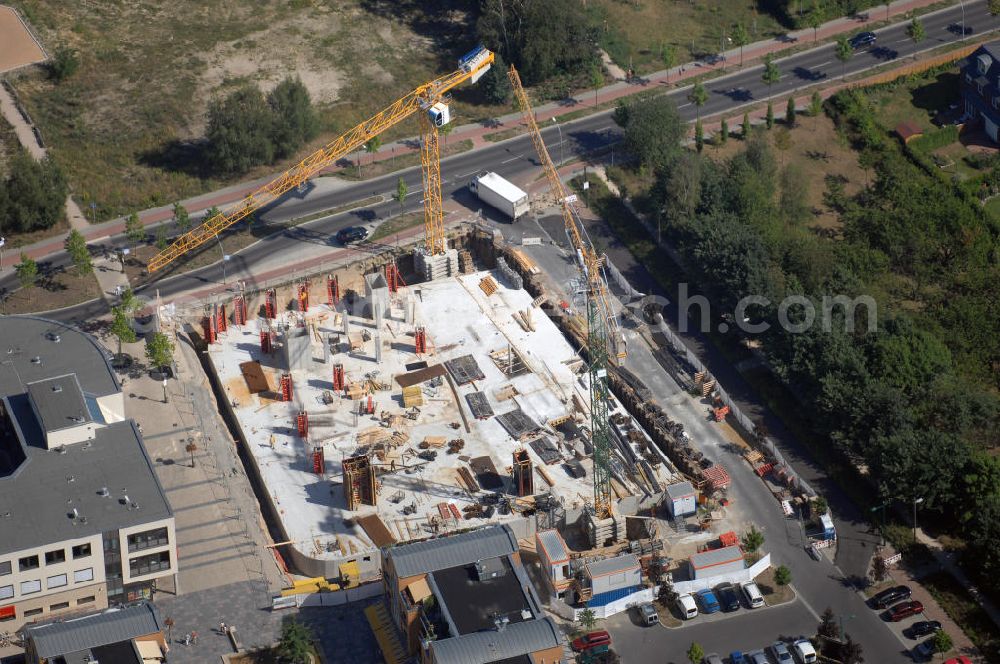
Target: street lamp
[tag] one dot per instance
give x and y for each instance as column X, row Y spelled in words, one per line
column 562, row 156
column 916, row 501
column 881, row 528
column 225, row 259
column 962, row 2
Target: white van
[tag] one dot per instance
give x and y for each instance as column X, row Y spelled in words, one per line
column 754, row 598
column 804, row 651
column 687, row 606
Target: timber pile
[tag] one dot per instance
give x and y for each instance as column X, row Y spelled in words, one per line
column 488, row 285
column 524, row 261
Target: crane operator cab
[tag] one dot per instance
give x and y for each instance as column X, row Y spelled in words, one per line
column 439, row 114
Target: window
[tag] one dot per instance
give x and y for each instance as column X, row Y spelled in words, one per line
column 89, row 599
column 32, row 612
column 29, row 563
column 154, row 562
column 81, row 575
column 57, row 581
column 6, row 592
column 55, row 557
column 59, row 607
column 31, row 587
column 147, row 540
column 81, row 550
column 5, row 568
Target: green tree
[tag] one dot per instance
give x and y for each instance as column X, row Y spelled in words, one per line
column 782, row 575
column 880, row 569
column 819, row 506
column 401, row 191
column 76, row 247
column 596, row 79
column 723, row 132
column 699, row 135
column 161, row 237
column 790, row 112
column 653, row 130
column 816, row 19
column 446, row 129
column 33, row 197
column 294, row 645
column 747, row 127
column 843, row 51
column 783, row 142
column 64, row 63
column 587, row 619
column 134, row 230
column 698, row 96
column 915, row 30
column 943, row 641
column 121, row 327
column 27, row 271
column 771, row 73
column 769, row 118
column 374, row 144
column 815, row 104
column 182, row 218
column 696, row 653
column 994, row 7
column 495, row 85
column 740, row 38
column 668, row 56
column 240, row 131
column 129, row 302
column 210, row 213
column 851, row 651
column 294, row 122
column 753, row 539
column 159, row 350
column 828, row 626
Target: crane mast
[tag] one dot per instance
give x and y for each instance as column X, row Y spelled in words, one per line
column 425, row 98
column 602, row 325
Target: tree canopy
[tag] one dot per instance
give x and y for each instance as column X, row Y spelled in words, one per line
column 33, row 196
column 653, row 130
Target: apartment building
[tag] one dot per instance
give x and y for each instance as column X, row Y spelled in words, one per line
column 84, row 522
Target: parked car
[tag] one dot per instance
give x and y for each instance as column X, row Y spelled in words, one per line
column 924, row 651
column 863, row 39
column 736, row 657
column 687, row 606
column 922, row 628
column 780, row 653
column 757, row 657
column 755, row 599
column 804, row 651
column 728, row 598
column 711, row 658
column 591, row 640
column 814, row 552
column 905, row 610
column 709, row 604
column 887, row 598
column 351, row 234
column 648, row 615
column 962, row 659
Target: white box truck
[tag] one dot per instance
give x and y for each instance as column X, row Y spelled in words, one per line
column 501, row 194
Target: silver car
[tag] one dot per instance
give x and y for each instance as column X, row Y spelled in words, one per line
column 757, row 657
column 780, row 653
column 712, row 659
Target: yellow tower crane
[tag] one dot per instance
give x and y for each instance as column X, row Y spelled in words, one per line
column 604, row 339
column 428, row 98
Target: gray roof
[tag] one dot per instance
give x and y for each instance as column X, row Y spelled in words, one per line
column 680, row 490
column 553, row 544
column 444, row 552
column 490, row 646
column 23, row 338
column 622, row 563
column 713, row 557
column 59, row 402
column 99, row 629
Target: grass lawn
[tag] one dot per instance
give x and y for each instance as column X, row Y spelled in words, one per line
column 636, row 30
column 966, row 612
column 126, row 126
column 55, row 289
column 917, row 100
column 773, row 593
column 388, row 228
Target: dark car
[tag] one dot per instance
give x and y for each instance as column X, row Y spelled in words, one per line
column 887, row 598
column 728, row 598
column 351, row 234
column 863, row 39
column 905, row 610
column 922, row 628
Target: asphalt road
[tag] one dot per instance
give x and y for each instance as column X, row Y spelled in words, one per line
column 514, row 159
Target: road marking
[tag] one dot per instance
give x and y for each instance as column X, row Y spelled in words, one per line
column 512, row 159
column 465, row 175
column 823, row 64
column 683, row 105
column 805, row 603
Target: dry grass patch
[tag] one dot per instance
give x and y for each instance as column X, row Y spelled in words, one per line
column 55, row 289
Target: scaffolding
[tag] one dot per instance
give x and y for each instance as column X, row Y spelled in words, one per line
column 359, row 482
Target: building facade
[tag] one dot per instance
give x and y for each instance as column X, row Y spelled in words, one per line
column 84, row 522
column 980, row 88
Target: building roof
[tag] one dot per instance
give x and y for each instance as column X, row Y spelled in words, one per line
column 713, row 557
column 94, row 631
column 452, row 551
column 553, row 545
column 473, row 605
column 622, row 563
column 59, row 402
column 60, row 349
column 493, row 646
column 680, row 490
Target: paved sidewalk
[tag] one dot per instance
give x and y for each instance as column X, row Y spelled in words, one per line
column 947, row 561
column 752, row 54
